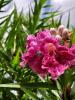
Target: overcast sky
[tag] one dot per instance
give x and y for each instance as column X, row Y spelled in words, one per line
column 64, row 4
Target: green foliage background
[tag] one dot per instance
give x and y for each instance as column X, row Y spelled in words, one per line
column 28, row 86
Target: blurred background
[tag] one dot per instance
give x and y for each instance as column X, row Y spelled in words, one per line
column 61, row 5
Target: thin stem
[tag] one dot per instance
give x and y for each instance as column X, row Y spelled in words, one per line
column 67, row 94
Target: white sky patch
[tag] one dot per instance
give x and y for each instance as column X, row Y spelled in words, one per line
column 64, row 6
column 23, row 4
column 57, row 1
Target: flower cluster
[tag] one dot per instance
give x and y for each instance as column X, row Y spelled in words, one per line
column 47, row 54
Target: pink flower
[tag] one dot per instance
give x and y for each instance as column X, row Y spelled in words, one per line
column 45, row 55
column 57, row 62
column 72, row 62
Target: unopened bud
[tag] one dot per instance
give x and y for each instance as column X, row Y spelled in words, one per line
column 65, row 34
column 53, row 31
column 60, row 29
column 58, row 37
column 69, row 34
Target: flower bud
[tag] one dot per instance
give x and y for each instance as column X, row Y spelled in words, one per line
column 67, row 43
column 60, row 29
column 58, row 37
column 53, row 31
column 69, row 34
column 65, row 34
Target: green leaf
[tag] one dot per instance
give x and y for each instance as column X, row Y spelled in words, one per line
column 58, row 85
column 15, row 86
column 47, row 6
column 31, row 94
column 68, row 22
column 45, row 94
column 73, row 88
column 36, row 14
column 5, row 56
column 4, row 27
column 55, row 92
column 16, row 59
column 4, row 3
column 73, row 36
column 24, row 97
column 60, row 19
column 34, row 85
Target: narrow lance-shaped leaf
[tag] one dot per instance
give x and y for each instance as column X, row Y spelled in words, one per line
column 32, row 95
column 15, row 61
column 60, row 19
column 68, row 23
column 73, row 36
column 4, row 27
column 36, row 14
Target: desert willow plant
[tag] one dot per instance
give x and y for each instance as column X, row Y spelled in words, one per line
column 35, row 82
